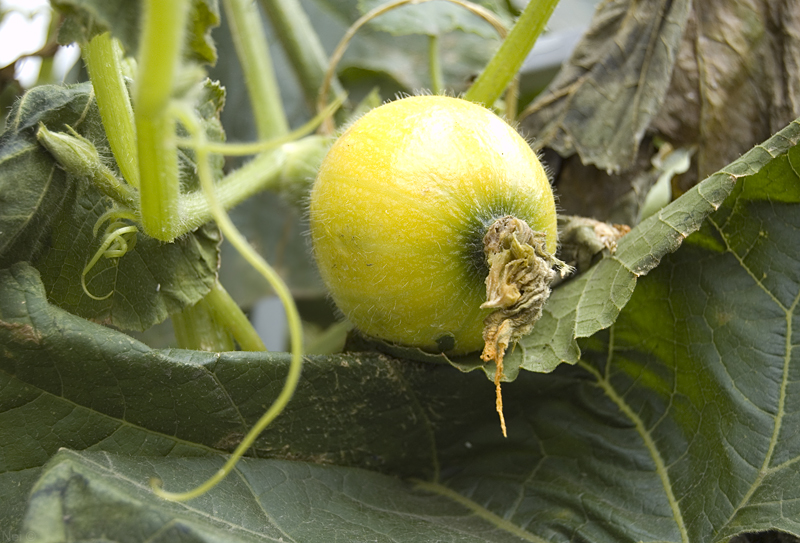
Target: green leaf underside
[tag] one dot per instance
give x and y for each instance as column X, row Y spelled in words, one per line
column 592, row 301
column 679, row 423
column 85, row 19
column 51, row 216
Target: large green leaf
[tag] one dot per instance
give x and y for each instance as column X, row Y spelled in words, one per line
column 592, row 301
column 680, row 423
column 48, row 216
column 84, row 19
column 99, row 495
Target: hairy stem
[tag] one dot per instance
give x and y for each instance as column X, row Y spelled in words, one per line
column 435, row 65
column 159, row 57
column 253, row 177
column 227, row 312
column 198, row 328
column 102, row 61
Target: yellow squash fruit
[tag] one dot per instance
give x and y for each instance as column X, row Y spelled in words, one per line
column 400, row 209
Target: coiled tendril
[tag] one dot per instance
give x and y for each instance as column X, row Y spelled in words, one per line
column 119, row 238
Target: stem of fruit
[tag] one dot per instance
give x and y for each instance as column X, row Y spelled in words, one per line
column 281, row 290
column 159, row 58
column 336, row 56
column 518, row 285
column 435, row 64
column 302, row 46
column 102, row 61
column 508, row 59
column 253, row 52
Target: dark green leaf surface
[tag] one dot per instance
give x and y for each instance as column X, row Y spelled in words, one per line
column 592, row 301
column 85, row 19
column 97, row 495
column 32, row 186
column 50, row 216
column 679, row 424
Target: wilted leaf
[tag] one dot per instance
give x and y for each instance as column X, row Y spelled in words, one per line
column 85, row 19
column 736, row 80
column 714, row 80
column 49, row 216
column 606, row 95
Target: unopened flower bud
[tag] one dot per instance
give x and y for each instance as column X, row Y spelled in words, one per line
column 74, row 153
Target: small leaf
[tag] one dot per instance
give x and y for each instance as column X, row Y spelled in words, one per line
column 32, row 186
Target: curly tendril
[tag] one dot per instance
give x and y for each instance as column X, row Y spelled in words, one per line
column 118, row 239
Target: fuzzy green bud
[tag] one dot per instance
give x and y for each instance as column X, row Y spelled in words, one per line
column 79, row 157
column 74, row 153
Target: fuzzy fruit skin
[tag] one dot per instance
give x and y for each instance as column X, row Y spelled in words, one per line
column 399, row 210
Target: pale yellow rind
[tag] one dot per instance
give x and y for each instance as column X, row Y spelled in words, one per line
column 391, row 212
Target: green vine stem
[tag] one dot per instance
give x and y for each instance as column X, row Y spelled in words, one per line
column 253, row 52
column 228, row 313
column 159, row 58
column 302, row 45
column 508, row 59
column 197, row 327
column 293, row 317
column 102, row 60
column 253, row 177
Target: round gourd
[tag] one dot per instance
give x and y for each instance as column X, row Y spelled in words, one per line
column 399, row 212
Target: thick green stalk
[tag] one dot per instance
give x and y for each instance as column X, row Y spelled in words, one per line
column 302, row 45
column 228, row 313
column 253, row 52
column 198, row 328
column 512, row 52
column 105, row 71
column 159, row 58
